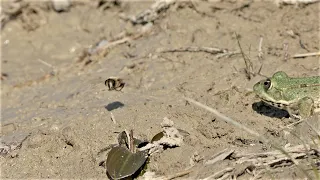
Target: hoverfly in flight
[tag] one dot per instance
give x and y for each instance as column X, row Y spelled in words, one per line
column 114, row 83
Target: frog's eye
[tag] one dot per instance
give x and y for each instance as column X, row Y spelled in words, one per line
column 267, row 84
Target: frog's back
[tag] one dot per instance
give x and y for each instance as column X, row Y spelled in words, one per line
column 303, row 87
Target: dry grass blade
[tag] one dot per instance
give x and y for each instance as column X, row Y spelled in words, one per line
column 151, row 14
column 210, row 50
column 102, row 49
column 46, row 63
column 295, row 149
column 285, row 48
column 256, row 134
column 220, row 174
column 113, row 119
column 247, row 61
column 227, row 54
column 223, row 117
column 306, row 55
column 179, row 174
column 151, row 175
column 279, row 2
column 260, row 55
column 194, row 7
column 289, row 126
column 275, row 159
column 219, row 156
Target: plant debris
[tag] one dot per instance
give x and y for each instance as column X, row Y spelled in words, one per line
column 171, row 138
column 130, row 155
column 125, row 160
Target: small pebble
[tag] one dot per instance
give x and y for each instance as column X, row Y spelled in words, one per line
column 61, row 5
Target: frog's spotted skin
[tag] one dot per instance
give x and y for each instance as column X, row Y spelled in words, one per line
column 299, row 96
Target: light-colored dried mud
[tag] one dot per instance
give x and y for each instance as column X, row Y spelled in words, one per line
column 65, row 118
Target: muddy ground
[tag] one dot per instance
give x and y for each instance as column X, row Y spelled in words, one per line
column 56, row 111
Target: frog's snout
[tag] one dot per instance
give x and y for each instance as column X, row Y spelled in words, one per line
column 256, row 87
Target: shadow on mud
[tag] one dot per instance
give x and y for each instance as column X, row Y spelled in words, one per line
column 270, row 111
column 114, row 105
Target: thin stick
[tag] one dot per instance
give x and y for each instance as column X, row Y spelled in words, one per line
column 295, row 123
column 223, row 117
column 219, row 173
column 247, row 61
column 296, row 1
column 113, row 119
column 150, row 14
column 119, row 41
column 132, row 147
column 285, row 48
column 179, row 174
column 295, row 149
column 306, row 55
column 227, row 54
column 128, row 135
column 260, row 48
column 45, row 63
column 199, row 11
column 219, row 156
column 210, row 50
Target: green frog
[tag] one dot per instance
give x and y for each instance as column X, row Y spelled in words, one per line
column 299, row 96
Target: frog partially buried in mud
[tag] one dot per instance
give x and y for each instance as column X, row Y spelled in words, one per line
column 299, row 96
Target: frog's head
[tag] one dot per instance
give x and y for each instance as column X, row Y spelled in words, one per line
column 269, row 90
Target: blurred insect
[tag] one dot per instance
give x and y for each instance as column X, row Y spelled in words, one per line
column 114, row 83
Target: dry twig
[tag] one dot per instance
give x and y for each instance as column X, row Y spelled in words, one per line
column 113, row 119
column 219, row 156
column 294, row 149
column 151, row 14
column 151, row 175
column 247, row 61
column 295, row 2
column 227, row 54
column 285, row 48
column 46, row 63
column 260, row 55
column 103, row 46
column 196, row 49
column 245, row 162
column 199, row 11
column 220, row 174
column 306, row 55
column 211, row 50
column 179, row 174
